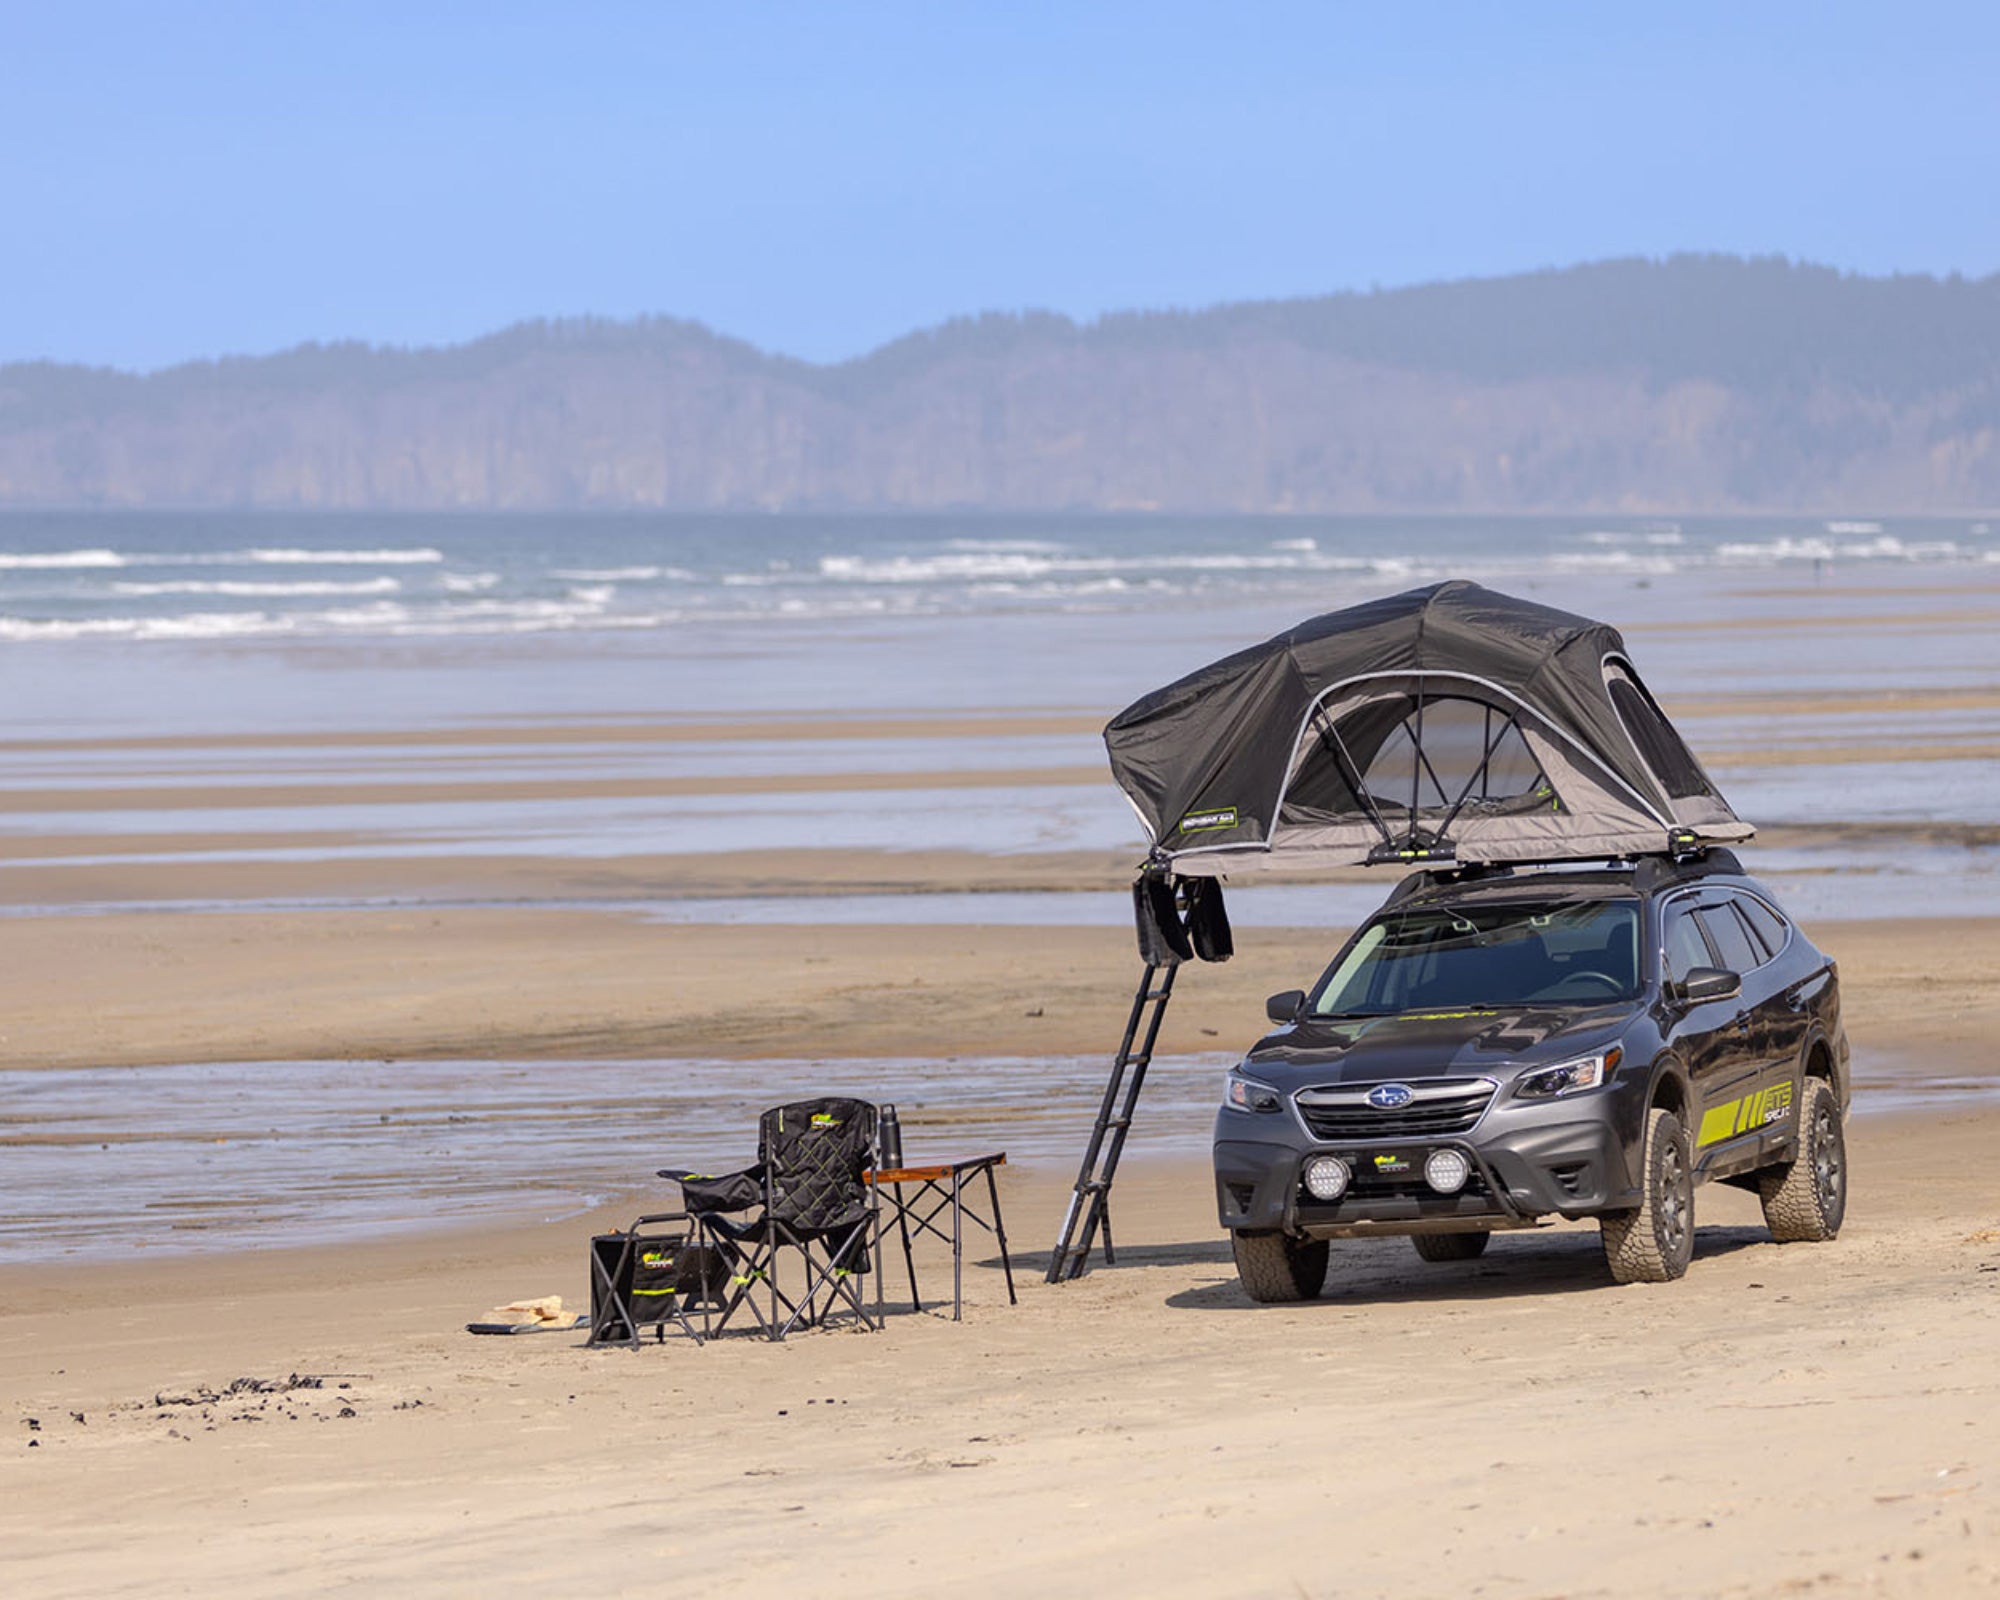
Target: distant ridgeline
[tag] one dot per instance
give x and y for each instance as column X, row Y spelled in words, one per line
column 1698, row 383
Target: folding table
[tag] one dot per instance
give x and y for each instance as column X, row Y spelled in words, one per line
column 919, row 1195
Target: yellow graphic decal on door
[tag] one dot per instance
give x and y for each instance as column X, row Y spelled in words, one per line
column 1746, row 1115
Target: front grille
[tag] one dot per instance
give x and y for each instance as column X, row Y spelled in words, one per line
column 1440, row 1106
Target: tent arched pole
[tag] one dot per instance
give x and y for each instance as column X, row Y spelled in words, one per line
column 1421, row 673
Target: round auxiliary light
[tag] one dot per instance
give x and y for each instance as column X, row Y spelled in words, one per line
column 1446, row 1171
column 1326, row 1177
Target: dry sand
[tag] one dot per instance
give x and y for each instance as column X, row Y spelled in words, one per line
column 1804, row 1419
column 148, row 987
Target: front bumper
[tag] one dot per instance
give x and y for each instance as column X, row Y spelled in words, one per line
column 1569, row 1158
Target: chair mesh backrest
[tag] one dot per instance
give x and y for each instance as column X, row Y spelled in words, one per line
column 816, row 1151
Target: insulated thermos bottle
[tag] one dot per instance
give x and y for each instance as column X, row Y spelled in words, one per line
column 892, row 1140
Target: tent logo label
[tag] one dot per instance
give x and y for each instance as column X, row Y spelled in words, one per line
column 1214, row 817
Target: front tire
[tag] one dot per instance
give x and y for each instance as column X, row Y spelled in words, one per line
column 1654, row 1243
column 1450, row 1246
column 1276, row 1269
column 1806, row 1199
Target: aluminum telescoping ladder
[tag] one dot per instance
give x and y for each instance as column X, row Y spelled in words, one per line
column 1089, row 1204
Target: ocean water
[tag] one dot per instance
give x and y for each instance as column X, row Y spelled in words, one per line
column 210, row 627
column 120, row 624
column 203, row 576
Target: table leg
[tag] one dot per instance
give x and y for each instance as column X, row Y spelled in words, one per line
column 881, row 1267
column 957, row 1246
column 1000, row 1232
column 909, row 1259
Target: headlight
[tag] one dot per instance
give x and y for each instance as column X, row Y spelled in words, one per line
column 1327, row 1177
column 1247, row 1094
column 1569, row 1077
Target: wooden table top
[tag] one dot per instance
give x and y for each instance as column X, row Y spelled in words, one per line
column 934, row 1174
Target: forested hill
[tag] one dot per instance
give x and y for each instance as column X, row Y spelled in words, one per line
column 1691, row 384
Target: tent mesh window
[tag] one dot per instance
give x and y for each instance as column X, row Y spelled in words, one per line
column 1469, row 760
column 1658, row 744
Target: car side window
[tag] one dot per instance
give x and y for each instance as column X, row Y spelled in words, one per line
column 1768, row 925
column 1731, row 939
column 1682, row 941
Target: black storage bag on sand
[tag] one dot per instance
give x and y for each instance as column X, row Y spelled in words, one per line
column 669, row 1271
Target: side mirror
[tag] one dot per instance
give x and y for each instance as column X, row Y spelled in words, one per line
column 1703, row 984
column 1285, row 1007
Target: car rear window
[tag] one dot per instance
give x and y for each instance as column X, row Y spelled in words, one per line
column 1770, row 927
column 1732, row 940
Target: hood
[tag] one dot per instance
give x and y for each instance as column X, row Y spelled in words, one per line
column 1434, row 1044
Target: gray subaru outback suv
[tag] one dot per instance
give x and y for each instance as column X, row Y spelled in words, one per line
column 1496, row 1048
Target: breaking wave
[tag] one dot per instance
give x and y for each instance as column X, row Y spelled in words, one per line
column 987, row 565
column 342, row 558
column 125, row 577
column 250, row 589
column 1886, row 548
column 55, row 560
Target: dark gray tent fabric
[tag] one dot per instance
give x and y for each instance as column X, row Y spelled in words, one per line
column 1449, row 722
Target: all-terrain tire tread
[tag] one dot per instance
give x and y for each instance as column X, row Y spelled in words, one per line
column 1631, row 1240
column 1793, row 1209
column 1275, row 1269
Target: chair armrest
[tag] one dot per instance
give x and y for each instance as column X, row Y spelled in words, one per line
column 728, row 1191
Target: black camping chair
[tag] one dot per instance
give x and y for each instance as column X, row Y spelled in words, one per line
column 807, row 1193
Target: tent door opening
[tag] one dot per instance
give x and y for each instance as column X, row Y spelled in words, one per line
column 1417, row 763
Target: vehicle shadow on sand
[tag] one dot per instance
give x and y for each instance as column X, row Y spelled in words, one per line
column 1388, row 1271
column 1034, row 1264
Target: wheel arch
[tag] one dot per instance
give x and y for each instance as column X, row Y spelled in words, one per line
column 1819, row 1059
column 1670, row 1088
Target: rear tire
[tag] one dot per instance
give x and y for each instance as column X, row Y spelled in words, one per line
column 1450, row 1246
column 1275, row 1268
column 1654, row 1243
column 1806, row 1199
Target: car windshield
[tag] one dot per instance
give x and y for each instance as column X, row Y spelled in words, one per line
column 1470, row 956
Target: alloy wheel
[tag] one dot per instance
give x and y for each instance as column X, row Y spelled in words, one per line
column 1829, row 1160
column 1674, row 1201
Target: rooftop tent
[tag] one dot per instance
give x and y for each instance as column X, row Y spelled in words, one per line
column 1448, row 723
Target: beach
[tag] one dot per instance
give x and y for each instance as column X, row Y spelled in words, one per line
column 1798, row 1419
column 354, row 984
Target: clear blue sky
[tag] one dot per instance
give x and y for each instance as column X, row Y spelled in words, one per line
column 196, row 178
